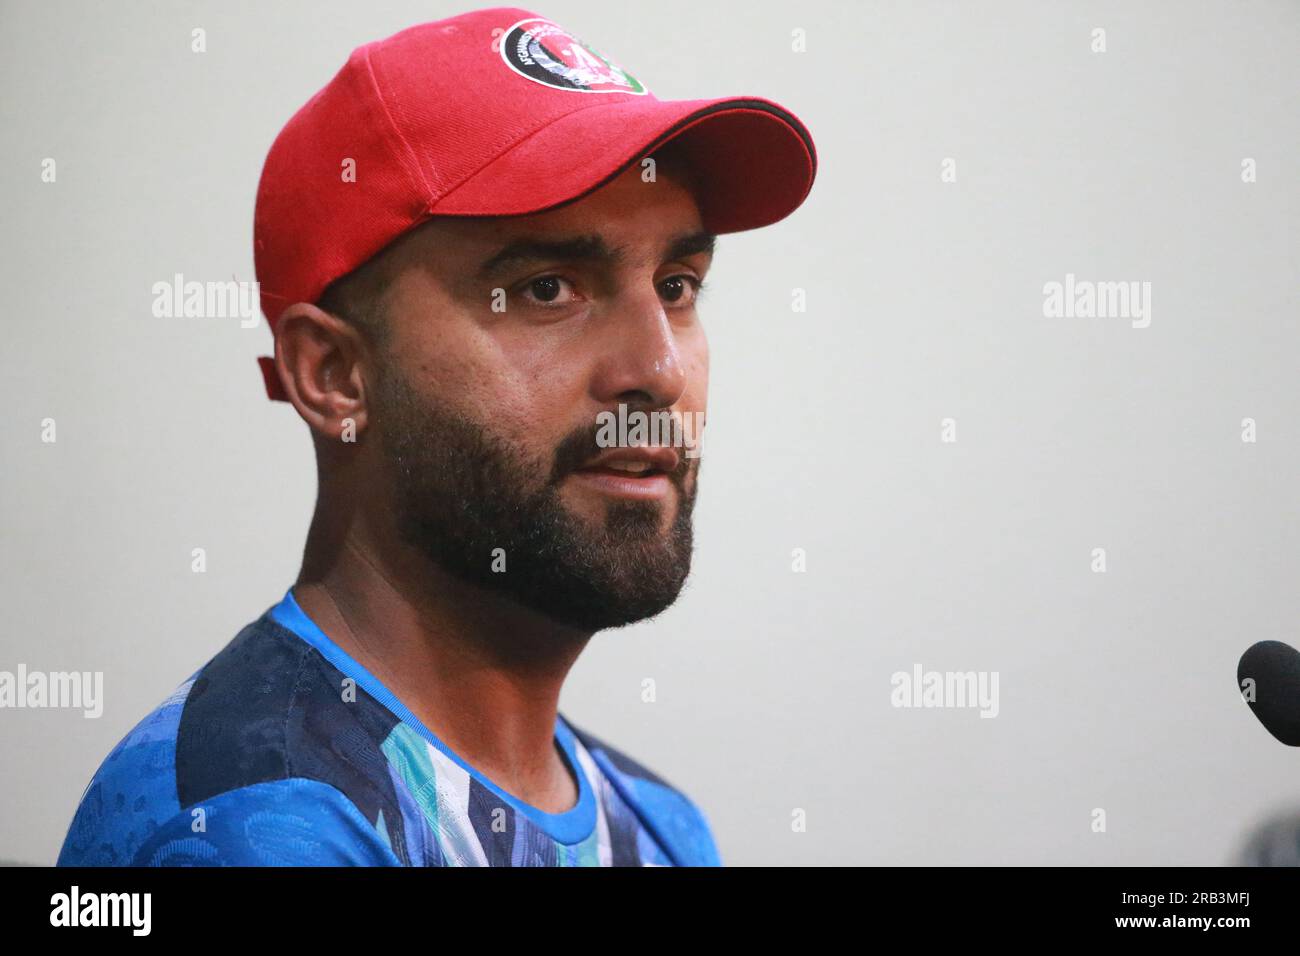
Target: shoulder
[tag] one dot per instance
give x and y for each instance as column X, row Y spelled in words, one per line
column 664, row 809
column 286, row 822
column 260, row 757
column 132, row 792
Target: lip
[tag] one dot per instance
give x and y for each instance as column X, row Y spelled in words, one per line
column 652, row 485
column 659, row 457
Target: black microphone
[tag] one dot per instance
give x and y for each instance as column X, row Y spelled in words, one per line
column 1273, row 692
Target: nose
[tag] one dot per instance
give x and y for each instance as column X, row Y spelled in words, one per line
column 641, row 362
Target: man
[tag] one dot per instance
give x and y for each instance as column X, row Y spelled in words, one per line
column 477, row 242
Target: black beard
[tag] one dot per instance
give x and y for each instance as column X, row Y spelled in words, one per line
column 460, row 493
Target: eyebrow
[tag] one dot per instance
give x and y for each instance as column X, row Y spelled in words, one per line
column 589, row 248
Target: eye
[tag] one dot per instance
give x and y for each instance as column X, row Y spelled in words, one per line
column 549, row 291
column 681, row 290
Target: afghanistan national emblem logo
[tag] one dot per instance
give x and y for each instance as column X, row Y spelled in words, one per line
column 547, row 53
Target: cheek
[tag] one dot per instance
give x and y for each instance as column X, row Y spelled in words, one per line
column 537, row 393
column 695, row 359
column 694, row 401
column 525, row 396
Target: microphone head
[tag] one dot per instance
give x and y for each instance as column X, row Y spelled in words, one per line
column 1273, row 668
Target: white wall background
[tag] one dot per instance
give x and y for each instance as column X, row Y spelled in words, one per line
column 924, row 302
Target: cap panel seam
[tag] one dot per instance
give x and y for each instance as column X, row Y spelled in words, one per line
column 413, row 161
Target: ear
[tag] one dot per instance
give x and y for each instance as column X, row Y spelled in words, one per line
column 321, row 362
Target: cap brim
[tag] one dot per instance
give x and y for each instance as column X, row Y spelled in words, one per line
column 755, row 161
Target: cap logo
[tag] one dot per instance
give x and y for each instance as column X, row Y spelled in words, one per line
column 547, row 53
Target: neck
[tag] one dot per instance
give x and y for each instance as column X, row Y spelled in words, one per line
column 478, row 670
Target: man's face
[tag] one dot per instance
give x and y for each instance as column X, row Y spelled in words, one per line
column 488, row 417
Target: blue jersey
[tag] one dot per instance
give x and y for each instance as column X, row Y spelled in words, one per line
column 283, row 750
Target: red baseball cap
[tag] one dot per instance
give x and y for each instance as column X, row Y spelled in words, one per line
column 497, row 112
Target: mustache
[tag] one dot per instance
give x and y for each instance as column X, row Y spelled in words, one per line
column 581, row 445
